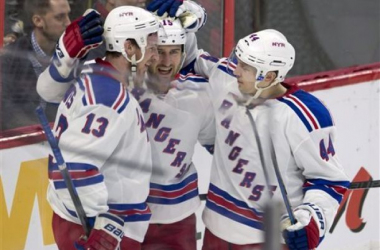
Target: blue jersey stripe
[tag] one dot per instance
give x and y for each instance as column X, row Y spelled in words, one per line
column 298, row 112
column 192, row 79
column 176, row 186
column 329, row 183
column 225, row 70
column 137, row 206
column 114, row 218
column 106, row 90
column 91, row 220
column 167, row 201
column 71, row 166
column 137, row 217
column 121, row 109
column 233, row 216
column 237, row 202
column 188, row 69
column 80, row 183
column 335, row 189
column 328, row 190
column 316, row 107
column 209, row 58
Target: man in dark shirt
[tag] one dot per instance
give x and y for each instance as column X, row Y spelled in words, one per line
column 24, row 60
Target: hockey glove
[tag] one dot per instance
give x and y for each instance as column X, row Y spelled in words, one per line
column 165, row 6
column 192, row 16
column 82, row 35
column 106, row 234
column 309, row 229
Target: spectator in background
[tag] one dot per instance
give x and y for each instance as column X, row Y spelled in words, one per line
column 13, row 25
column 14, row 31
column 24, row 60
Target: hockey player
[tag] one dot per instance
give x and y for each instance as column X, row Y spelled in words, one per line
column 249, row 95
column 101, row 132
column 175, row 121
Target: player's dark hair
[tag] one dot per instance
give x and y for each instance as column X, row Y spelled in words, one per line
column 118, row 54
column 113, row 54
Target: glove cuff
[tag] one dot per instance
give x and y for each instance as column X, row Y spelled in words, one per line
column 62, row 61
column 110, row 223
column 318, row 216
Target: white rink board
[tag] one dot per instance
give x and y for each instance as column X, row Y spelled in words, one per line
column 355, row 109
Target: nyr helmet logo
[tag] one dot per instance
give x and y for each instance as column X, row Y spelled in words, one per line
column 253, row 37
column 124, row 14
column 278, row 44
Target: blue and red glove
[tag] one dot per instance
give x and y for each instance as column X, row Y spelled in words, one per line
column 165, row 6
column 309, row 229
column 106, row 234
column 82, row 35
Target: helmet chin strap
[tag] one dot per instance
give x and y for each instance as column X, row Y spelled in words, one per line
column 260, row 90
column 132, row 60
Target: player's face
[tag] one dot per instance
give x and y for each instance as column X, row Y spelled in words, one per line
column 246, row 77
column 150, row 56
column 55, row 20
column 168, row 64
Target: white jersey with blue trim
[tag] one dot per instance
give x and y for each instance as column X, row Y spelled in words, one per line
column 303, row 136
column 103, row 140
column 175, row 122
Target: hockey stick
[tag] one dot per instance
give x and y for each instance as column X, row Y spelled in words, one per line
column 353, row 185
column 274, row 159
column 364, row 184
column 63, row 168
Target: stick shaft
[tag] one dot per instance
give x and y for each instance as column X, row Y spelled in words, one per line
column 63, row 168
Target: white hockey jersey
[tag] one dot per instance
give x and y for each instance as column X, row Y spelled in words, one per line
column 101, row 133
column 303, row 134
column 175, row 122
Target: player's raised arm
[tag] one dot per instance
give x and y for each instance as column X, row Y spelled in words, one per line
column 82, row 35
column 193, row 17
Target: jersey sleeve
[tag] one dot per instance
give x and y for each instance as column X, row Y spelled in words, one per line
column 197, row 61
column 205, row 64
column 51, row 86
column 88, row 138
column 325, row 182
column 311, row 134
